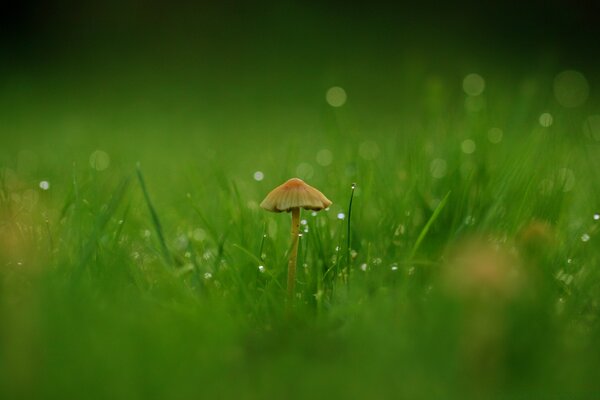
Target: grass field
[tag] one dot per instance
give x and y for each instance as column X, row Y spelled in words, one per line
column 135, row 262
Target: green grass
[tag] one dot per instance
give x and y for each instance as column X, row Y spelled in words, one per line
column 144, row 282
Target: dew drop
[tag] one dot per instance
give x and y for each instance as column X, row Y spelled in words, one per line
column 44, row 185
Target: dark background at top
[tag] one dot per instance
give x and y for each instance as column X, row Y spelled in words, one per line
column 502, row 31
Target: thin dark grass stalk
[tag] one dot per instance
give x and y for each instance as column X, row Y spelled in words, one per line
column 349, row 237
column 262, row 242
column 155, row 220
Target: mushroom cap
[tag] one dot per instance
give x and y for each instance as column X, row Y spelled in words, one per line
column 295, row 193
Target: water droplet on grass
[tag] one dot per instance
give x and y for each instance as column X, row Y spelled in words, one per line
column 207, row 275
column 596, row 217
column 44, row 185
column 585, row 237
column 341, row 216
column 261, row 268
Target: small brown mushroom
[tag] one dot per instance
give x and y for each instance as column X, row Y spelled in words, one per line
column 291, row 196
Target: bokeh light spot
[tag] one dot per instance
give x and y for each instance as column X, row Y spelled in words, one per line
column 591, row 127
column 474, row 104
column 495, row 135
column 468, row 146
column 336, row 96
column 305, row 171
column 259, row 176
column 324, row 157
column 438, row 168
column 571, row 89
column 99, row 160
column 546, row 120
column 566, row 179
column 368, row 150
column 44, row 185
column 473, row 84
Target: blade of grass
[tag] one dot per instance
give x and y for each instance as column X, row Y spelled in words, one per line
column 434, row 216
column 348, row 236
column 155, row 220
column 101, row 222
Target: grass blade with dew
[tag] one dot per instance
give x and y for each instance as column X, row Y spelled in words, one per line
column 155, row 220
column 434, row 216
column 348, row 235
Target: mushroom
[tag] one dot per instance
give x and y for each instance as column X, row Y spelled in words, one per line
column 291, row 196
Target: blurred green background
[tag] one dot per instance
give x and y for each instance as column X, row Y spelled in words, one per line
column 471, row 130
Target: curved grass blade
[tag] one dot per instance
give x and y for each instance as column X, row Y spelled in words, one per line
column 155, row 220
column 434, row 216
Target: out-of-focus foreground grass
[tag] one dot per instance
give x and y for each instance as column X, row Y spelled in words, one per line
column 473, row 257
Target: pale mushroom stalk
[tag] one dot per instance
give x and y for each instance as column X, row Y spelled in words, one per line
column 290, row 197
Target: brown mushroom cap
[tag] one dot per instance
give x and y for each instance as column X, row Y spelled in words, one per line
column 294, row 194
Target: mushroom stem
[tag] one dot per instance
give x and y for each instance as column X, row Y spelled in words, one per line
column 291, row 280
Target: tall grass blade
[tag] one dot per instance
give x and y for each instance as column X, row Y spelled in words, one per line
column 155, row 220
column 434, row 216
column 348, row 236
